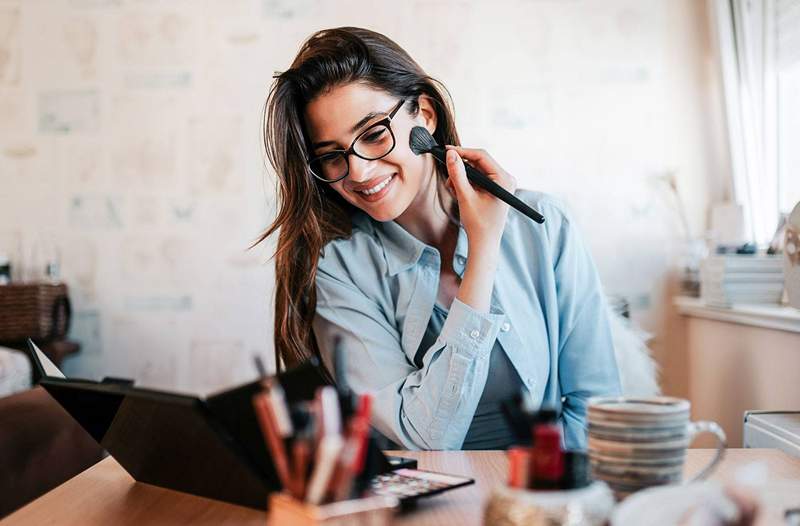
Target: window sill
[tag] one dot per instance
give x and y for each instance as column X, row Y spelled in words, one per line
column 766, row 316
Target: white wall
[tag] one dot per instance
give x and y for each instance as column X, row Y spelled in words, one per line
column 129, row 135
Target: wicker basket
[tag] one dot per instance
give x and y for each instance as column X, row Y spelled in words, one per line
column 34, row 310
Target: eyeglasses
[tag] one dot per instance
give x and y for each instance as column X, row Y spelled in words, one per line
column 373, row 143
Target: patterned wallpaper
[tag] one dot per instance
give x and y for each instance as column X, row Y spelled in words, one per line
column 130, row 150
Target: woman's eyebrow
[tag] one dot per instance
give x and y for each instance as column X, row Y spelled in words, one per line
column 368, row 117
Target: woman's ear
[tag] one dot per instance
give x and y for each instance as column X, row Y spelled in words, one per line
column 427, row 112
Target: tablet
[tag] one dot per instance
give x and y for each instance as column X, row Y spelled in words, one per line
column 208, row 447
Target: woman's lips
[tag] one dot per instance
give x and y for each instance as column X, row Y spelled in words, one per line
column 387, row 185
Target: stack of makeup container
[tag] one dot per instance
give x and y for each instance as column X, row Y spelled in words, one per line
column 636, row 443
column 546, row 484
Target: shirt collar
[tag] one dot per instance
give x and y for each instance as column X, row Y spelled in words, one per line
column 401, row 249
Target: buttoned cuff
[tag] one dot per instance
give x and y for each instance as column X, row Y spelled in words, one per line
column 469, row 331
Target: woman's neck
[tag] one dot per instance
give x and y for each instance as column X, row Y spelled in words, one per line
column 427, row 221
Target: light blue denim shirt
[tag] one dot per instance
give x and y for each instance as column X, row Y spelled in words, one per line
column 376, row 290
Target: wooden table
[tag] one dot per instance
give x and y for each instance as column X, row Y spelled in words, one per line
column 106, row 494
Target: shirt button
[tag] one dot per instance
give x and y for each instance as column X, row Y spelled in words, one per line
column 475, row 334
column 505, row 327
column 461, row 260
column 530, row 382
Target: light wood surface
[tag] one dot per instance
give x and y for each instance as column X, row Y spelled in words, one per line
column 105, row 494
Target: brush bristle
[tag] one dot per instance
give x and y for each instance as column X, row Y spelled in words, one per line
column 421, row 141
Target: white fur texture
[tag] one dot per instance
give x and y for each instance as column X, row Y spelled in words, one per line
column 638, row 371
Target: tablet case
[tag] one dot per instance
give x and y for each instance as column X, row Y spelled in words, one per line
column 209, row 447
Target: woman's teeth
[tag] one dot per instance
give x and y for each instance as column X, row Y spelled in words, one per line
column 378, row 187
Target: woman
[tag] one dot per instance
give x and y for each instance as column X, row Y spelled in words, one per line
column 445, row 303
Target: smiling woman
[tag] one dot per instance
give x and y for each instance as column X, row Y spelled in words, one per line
column 431, row 288
column 351, row 172
column 373, row 143
column 312, row 213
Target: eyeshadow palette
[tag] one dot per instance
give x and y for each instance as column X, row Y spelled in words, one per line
column 407, row 485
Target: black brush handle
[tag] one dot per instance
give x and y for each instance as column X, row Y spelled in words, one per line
column 490, row 186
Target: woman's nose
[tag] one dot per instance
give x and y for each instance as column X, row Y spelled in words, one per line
column 358, row 169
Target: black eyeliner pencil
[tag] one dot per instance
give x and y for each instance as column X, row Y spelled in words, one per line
column 421, row 141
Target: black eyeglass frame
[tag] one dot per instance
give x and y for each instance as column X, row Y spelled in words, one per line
column 386, row 121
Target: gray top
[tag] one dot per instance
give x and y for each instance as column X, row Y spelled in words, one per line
column 489, row 429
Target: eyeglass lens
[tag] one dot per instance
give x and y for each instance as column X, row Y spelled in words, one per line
column 373, row 144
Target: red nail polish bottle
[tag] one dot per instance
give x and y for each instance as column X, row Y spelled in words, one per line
column 547, row 458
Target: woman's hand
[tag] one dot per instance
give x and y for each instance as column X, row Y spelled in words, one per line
column 482, row 214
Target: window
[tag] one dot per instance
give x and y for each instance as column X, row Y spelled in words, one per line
column 787, row 27
column 759, row 53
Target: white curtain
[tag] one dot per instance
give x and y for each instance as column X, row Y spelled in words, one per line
column 745, row 31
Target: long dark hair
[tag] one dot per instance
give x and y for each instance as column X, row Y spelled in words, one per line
column 311, row 213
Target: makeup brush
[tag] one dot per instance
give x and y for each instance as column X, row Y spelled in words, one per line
column 421, row 141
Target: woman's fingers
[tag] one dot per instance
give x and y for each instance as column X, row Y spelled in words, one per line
column 458, row 176
column 450, row 188
column 478, row 158
column 483, row 162
column 481, row 213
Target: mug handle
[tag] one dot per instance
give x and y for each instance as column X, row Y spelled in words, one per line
column 705, row 426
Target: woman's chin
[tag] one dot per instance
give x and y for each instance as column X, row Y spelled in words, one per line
column 383, row 215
